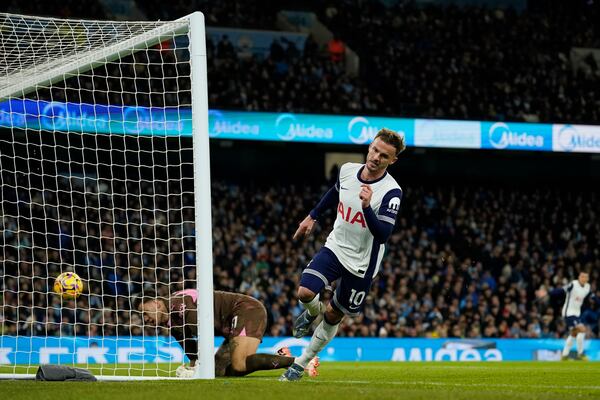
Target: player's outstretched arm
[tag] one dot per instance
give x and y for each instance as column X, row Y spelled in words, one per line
column 305, row 227
column 330, row 199
column 543, row 292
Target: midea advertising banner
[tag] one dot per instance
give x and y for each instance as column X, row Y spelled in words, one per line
column 110, row 350
column 294, row 127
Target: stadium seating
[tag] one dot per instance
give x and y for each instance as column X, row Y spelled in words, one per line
column 464, row 261
column 441, row 62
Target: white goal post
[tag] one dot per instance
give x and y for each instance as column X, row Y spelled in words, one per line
column 104, row 172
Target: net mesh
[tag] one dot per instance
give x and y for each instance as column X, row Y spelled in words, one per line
column 96, row 178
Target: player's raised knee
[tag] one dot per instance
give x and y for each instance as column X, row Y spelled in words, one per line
column 305, row 295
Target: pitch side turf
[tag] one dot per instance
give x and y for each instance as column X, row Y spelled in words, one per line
column 345, row 381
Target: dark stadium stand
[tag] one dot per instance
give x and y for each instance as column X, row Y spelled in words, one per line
column 465, row 258
column 441, row 62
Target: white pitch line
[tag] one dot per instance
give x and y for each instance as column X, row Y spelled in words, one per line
column 506, row 385
column 433, row 383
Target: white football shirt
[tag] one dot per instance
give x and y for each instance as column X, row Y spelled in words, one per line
column 351, row 240
column 576, row 294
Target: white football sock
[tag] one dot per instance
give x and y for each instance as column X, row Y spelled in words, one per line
column 322, row 335
column 568, row 345
column 580, row 337
column 313, row 307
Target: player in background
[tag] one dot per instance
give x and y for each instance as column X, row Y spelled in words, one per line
column 367, row 198
column 575, row 293
column 240, row 319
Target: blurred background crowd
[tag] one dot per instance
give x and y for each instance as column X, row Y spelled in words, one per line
column 464, row 260
column 416, row 60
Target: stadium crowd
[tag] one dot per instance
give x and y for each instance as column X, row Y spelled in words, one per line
column 255, row 14
column 89, row 9
column 464, row 261
column 434, row 61
column 440, row 62
column 475, row 63
column 288, row 79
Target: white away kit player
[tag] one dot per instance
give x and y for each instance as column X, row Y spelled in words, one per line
column 575, row 294
column 368, row 199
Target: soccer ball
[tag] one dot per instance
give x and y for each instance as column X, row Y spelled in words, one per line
column 69, row 285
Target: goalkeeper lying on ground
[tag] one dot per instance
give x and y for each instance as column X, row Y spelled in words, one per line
column 240, row 319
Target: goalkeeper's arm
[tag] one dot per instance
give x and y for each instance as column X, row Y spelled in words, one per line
column 185, row 337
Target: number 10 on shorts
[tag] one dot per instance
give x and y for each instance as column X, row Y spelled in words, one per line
column 356, row 298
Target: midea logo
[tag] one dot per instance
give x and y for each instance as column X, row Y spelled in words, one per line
column 360, row 132
column 501, row 137
column 572, row 139
column 288, row 128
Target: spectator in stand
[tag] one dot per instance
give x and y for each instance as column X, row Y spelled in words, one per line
column 225, row 49
column 337, row 50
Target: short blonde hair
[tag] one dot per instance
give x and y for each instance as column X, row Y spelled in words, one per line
column 392, row 138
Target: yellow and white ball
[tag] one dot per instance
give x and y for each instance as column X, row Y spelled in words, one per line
column 69, row 285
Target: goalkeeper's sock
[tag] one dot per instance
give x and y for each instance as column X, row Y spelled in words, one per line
column 313, row 307
column 568, row 345
column 258, row 362
column 261, row 362
column 320, row 338
column 580, row 338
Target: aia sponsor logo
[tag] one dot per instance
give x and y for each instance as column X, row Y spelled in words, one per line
column 351, row 216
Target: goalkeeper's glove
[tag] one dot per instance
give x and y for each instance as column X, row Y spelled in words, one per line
column 184, row 371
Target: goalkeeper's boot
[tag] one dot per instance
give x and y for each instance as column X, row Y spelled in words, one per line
column 564, row 358
column 582, row 357
column 293, row 373
column 302, row 324
column 311, row 368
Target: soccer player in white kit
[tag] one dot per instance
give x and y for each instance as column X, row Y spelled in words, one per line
column 367, row 198
column 575, row 294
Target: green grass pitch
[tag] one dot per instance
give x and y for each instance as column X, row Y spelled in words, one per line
column 344, row 381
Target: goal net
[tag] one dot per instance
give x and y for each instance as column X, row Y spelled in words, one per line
column 104, row 172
